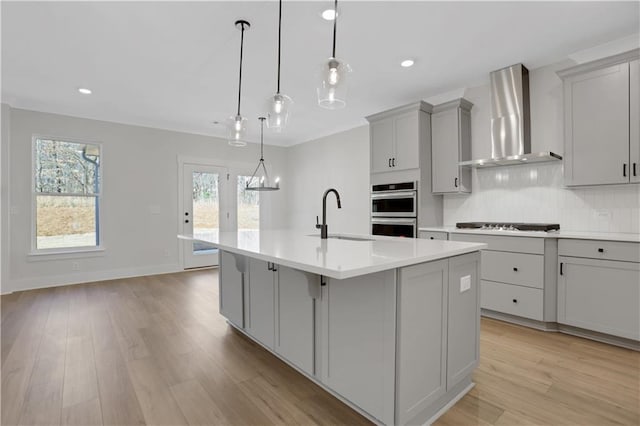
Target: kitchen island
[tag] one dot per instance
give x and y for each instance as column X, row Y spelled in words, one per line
column 388, row 325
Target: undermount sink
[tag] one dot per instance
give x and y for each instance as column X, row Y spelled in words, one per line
column 343, row 237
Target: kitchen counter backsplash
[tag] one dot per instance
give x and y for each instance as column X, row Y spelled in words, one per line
column 536, row 193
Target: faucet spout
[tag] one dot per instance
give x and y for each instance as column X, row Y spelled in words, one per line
column 324, row 233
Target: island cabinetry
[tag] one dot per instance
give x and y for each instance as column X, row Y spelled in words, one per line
column 296, row 292
column 260, row 296
column 231, row 287
column 599, row 286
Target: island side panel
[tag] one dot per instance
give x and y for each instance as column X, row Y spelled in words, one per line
column 231, row 287
column 358, row 341
column 421, row 338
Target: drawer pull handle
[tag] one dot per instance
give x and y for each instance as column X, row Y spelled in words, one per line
column 431, row 238
column 600, row 250
column 515, row 269
column 515, row 300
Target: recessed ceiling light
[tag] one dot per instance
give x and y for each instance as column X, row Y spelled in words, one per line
column 84, row 91
column 407, row 63
column 329, row 15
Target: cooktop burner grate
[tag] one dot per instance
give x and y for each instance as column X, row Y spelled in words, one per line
column 509, row 226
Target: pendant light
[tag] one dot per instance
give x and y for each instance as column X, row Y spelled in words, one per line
column 332, row 88
column 261, row 181
column 279, row 104
column 237, row 125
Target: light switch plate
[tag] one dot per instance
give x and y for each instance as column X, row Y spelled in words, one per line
column 465, row 283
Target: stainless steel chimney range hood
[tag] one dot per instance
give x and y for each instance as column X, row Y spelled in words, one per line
column 510, row 124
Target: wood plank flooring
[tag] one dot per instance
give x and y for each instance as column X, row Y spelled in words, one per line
column 154, row 350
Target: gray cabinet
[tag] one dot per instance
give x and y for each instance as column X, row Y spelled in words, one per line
column 296, row 292
column 463, row 325
column 396, row 138
column 597, row 121
column 261, row 302
column 451, row 144
column 599, row 286
column 231, row 287
column 433, row 235
column 634, row 117
column 358, row 341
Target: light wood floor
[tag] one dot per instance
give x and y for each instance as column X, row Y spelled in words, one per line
column 154, row 350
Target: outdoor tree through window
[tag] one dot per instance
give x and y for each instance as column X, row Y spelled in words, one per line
column 248, row 206
column 67, row 194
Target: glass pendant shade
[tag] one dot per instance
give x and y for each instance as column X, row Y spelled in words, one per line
column 237, row 130
column 332, row 88
column 278, row 116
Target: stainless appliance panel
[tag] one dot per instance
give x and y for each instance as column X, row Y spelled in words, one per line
column 394, row 227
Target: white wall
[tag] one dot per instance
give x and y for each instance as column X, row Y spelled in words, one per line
column 535, row 193
column 140, row 175
column 340, row 161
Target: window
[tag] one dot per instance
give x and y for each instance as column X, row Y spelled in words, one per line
column 248, row 206
column 66, row 195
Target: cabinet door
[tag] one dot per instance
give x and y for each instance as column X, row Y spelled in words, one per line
column 421, row 338
column 295, row 326
column 381, row 145
column 597, row 127
column 261, row 302
column 445, row 151
column 463, row 322
column 231, row 287
column 634, row 116
column 600, row 295
column 358, row 341
column 407, row 141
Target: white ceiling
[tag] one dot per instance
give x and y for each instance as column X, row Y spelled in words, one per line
column 174, row 65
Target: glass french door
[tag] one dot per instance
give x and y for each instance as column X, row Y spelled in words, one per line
column 205, row 211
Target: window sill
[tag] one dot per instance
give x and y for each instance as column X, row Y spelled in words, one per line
column 37, row 256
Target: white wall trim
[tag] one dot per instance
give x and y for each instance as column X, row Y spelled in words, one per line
column 23, row 284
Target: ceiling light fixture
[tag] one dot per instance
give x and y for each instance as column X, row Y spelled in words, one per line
column 332, row 90
column 329, row 14
column 237, row 125
column 279, row 104
column 407, row 63
column 261, row 181
column 84, row 91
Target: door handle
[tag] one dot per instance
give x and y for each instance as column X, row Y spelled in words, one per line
column 393, row 162
column 455, row 182
column 186, row 213
column 389, row 162
column 186, row 221
column 515, row 269
column 561, row 272
column 634, row 169
column 624, row 170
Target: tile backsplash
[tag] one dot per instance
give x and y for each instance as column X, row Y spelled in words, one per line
column 535, row 193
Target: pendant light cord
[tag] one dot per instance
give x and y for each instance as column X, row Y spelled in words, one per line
column 261, row 138
column 240, row 79
column 279, row 42
column 335, row 24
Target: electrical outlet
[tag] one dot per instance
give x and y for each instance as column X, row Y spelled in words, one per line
column 75, row 266
column 465, row 283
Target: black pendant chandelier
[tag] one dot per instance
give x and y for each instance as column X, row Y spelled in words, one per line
column 260, row 180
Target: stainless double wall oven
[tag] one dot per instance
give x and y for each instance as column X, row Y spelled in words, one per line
column 394, row 209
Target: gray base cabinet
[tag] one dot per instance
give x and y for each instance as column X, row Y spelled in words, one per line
column 295, row 316
column 260, row 297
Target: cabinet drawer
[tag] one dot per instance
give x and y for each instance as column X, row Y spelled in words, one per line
column 514, row 268
column 512, row 299
column 605, row 250
column 504, row 243
column 433, row 235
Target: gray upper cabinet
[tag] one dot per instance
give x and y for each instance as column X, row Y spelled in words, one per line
column 396, row 136
column 634, row 117
column 450, row 144
column 599, row 105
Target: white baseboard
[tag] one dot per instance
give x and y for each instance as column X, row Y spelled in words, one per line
column 33, row 283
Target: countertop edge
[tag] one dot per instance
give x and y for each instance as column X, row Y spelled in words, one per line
column 569, row 235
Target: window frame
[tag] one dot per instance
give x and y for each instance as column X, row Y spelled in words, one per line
column 35, row 251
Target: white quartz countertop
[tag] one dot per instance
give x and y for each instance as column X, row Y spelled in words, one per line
column 335, row 258
column 605, row 236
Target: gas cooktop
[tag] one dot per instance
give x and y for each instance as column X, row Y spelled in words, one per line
column 508, row 226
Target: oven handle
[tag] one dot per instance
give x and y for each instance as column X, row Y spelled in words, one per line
column 405, row 194
column 400, row 220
